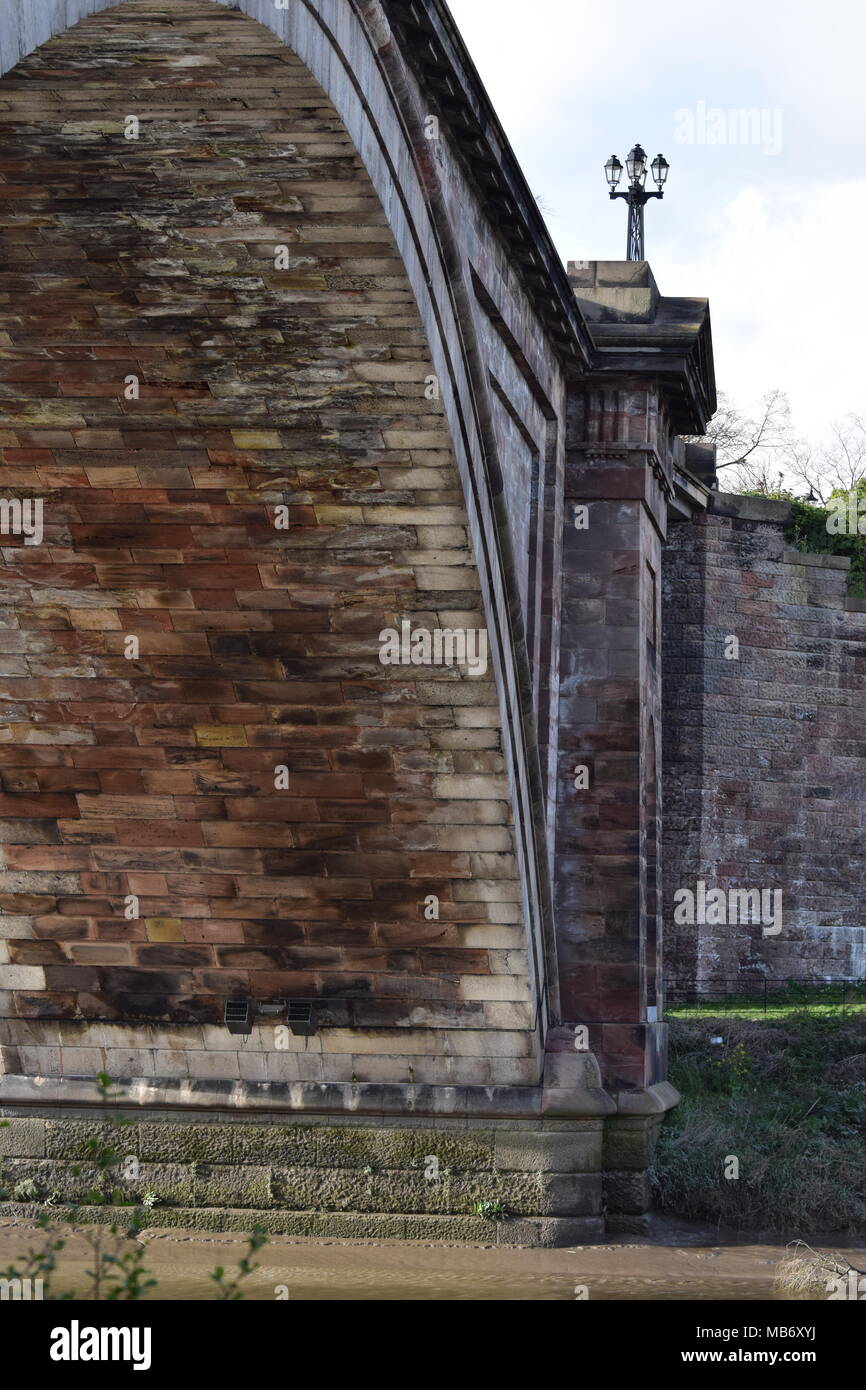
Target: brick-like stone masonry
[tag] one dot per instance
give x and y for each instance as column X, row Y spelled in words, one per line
column 259, row 387
column 765, row 756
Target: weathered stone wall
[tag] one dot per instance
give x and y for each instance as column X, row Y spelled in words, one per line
column 764, row 756
column 418, row 1181
column 610, row 693
column 258, row 648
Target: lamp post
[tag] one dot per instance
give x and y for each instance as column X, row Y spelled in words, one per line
column 636, row 194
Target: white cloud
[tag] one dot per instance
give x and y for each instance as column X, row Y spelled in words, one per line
column 788, row 299
column 770, row 240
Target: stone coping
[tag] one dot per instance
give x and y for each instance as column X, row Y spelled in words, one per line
column 749, row 508
column 359, row 1099
column 792, row 556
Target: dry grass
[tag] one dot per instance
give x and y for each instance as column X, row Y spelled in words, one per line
column 805, row 1270
column 788, row 1102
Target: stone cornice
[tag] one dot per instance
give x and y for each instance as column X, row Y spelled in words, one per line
column 444, row 69
column 640, row 334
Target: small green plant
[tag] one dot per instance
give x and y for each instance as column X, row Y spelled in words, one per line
column 490, row 1210
column 231, row 1291
column 25, row 1191
column 733, row 1071
column 104, row 1157
column 150, row 1200
column 119, row 1275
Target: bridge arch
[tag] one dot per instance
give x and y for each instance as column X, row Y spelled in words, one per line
column 333, row 42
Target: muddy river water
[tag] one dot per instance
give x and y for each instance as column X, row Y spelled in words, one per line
column 683, row 1264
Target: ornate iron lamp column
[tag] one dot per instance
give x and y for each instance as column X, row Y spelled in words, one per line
column 636, row 194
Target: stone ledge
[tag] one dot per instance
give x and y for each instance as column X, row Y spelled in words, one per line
column 322, row 1098
column 791, row 556
column 655, row 1100
column 535, row 1232
column 749, row 508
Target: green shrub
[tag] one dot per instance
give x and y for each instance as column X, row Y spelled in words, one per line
column 807, row 530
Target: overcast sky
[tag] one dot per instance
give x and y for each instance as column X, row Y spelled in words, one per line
column 767, row 228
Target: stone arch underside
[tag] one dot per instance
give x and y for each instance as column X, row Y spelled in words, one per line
column 258, row 648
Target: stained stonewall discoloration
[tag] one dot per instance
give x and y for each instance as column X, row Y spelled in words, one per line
column 306, row 387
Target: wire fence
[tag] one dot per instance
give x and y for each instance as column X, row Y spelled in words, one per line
column 728, row 995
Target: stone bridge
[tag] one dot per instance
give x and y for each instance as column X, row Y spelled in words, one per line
column 290, row 371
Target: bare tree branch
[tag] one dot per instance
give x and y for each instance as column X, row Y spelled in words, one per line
column 764, row 455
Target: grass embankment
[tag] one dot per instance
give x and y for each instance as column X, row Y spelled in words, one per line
column 786, row 1096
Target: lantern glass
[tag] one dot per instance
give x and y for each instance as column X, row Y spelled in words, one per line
column 660, row 169
column 613, row 171
column 636, row 164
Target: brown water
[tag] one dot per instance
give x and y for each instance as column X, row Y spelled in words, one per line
column 692, row 1267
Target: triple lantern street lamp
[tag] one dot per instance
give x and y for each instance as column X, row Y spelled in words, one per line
column 636, row 194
